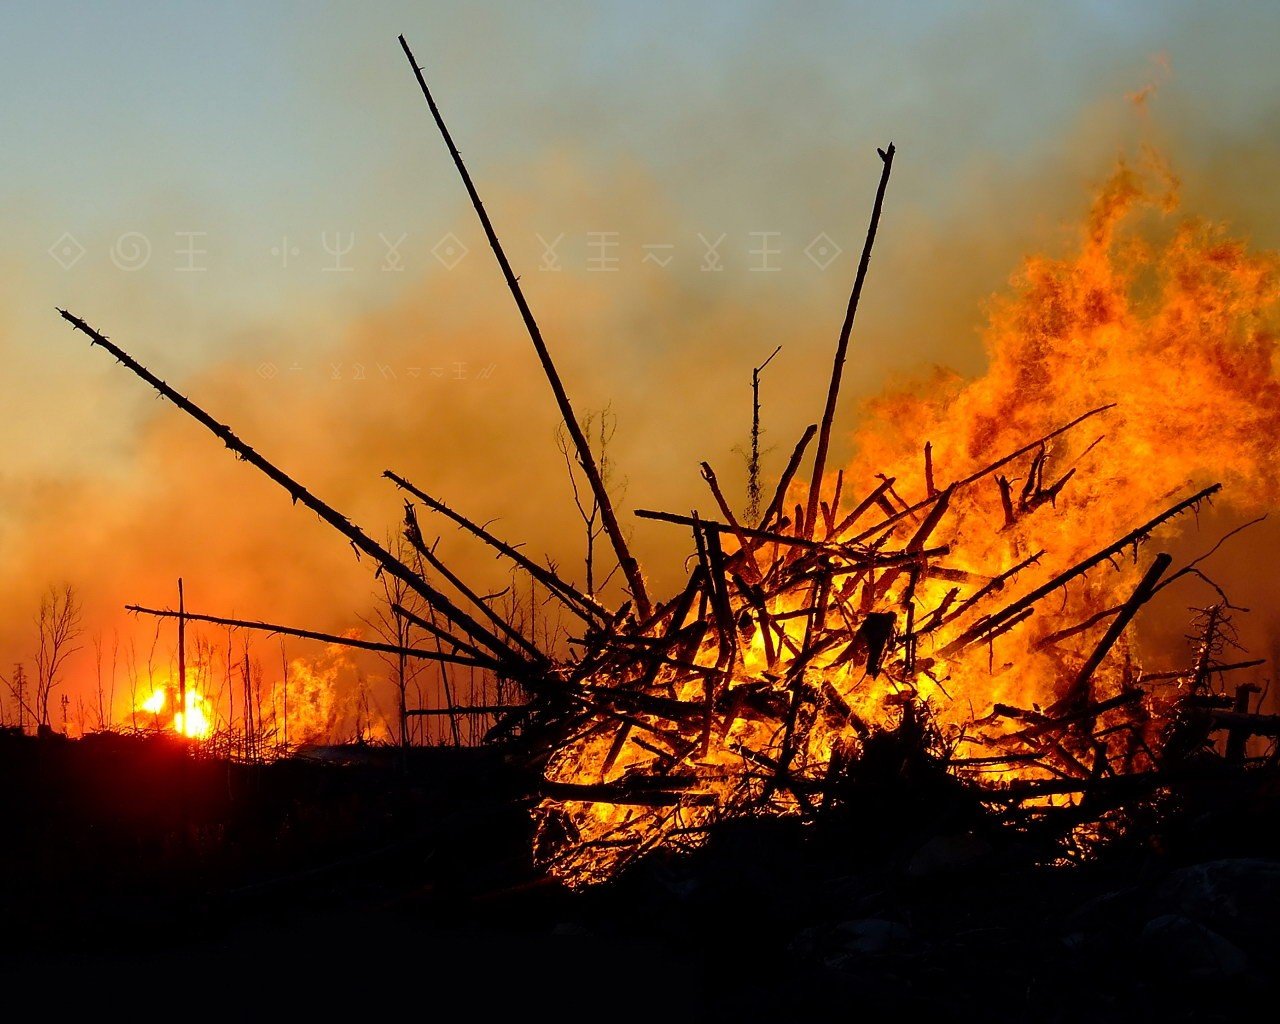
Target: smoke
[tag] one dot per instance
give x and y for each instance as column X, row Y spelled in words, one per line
column 671, row 351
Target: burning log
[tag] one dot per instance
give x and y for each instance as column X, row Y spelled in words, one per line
column 1141, row 595
column 987, row 625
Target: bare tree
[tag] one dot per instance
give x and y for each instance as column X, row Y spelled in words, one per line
column 58, row 630
column 17, row 686
column 397, row 629
column 753, row 460
column 598, row 427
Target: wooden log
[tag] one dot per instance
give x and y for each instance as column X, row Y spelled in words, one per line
column 359, row 540
column 630, row 567
column 784, row 481
column 842, row 344
column 1210, row 669
column 991, row 622
column 1240, row 729
column 1254, row 724
column 1006, row 500
column 311, row 634
column 586, row 608
column 1079, row 691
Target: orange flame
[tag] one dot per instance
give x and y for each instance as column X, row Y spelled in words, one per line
column 193, row 721
column 1175, row 326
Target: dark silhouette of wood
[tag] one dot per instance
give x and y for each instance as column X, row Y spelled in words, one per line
column 992, row 622
column 709, row 475
column 894, row 518
column 311, row 634
column 867, row 557
column 182, row 654
column 842, row 346
column 586, row 608
column 413, row 534
column 1141, row 595
column 359, row 540
column 784, row 481
column 630, row 567
column 753, row 460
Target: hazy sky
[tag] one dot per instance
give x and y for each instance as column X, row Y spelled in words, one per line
column 252, row 199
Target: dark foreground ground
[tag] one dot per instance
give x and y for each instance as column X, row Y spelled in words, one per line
column 311, row 884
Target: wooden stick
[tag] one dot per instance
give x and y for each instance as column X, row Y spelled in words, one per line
column 784, row 481
column 842, row 346
column 870, row 557
column 753, row 461
column 991, row 622
column 580, row 604
column 748, row 553
column 1210, row 669
column 1141, row 594
column 439, row 633
column 863, row 505
column 630, row 567
column 359, row 540
column 182, row 655
column 413, row 534
column 311, row 634
column 911, row 509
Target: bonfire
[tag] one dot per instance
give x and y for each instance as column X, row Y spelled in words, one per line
column 954, row 605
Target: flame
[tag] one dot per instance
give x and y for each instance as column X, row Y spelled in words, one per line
column 1174, row 325
column 314, row 705
column 154, row 704
column 193, row 721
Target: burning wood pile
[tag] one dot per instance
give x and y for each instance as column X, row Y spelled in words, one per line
column 975, row 636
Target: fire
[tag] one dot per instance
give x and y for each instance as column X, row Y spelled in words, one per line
column 193, row 721
column 1164, row 336
column 154, row 704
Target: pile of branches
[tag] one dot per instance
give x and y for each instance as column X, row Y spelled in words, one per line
column 663, row 720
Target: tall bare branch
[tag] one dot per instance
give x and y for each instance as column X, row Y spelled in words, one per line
column 842, row 346
column 630, row 567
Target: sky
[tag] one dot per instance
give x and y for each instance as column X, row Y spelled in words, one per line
column 252, row 200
